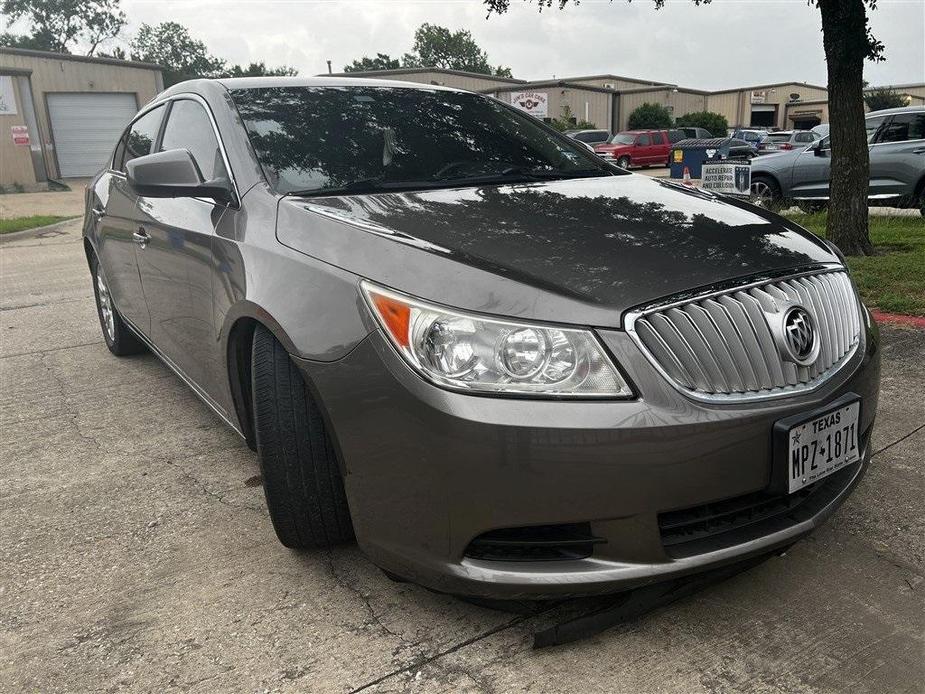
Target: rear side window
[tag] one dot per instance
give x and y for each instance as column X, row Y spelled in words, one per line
column 872, row 125
column 904, row 127
column 139, row 140
column 189, row 127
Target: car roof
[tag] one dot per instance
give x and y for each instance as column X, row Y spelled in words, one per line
column 263, row 82
column 893, row 111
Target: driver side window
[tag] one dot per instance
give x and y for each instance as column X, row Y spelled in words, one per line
column 189, row 127
column 643, row 140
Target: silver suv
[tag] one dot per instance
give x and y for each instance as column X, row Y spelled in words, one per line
column 897, row 166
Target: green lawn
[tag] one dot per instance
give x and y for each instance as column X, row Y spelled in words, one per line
column 893, row 279
column 8, row 226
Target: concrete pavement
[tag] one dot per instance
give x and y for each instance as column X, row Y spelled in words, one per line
column 136, row 553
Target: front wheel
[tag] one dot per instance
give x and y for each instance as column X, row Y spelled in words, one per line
column 623, row 162
column 120, row 340
column 766, row 194
column 301, row 478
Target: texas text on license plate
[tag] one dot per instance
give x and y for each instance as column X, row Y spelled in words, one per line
column 822, row 445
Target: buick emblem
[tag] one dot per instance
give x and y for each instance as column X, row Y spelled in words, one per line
column 800, row 340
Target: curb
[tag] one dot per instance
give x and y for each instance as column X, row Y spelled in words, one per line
column 35, row 231
column 899, row 319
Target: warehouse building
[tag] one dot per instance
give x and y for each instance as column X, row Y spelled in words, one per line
column 607, row 100
column 60, row 115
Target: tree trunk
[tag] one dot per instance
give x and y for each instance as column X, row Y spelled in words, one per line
column 844, row 38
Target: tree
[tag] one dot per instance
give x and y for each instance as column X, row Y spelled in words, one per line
column 259, row 70
column 648, row 115
column 847, row 43
column 56, row 25
column 436, row 46
column 568, row 121
column 884, row 97
column 380, row 62
column 715, row 123
column 170, row 45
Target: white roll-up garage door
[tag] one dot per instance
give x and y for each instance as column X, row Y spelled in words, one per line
column 85, row 127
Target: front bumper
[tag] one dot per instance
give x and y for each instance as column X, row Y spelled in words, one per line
column 427, row 471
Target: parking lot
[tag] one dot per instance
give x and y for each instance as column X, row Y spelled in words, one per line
column 136, row 552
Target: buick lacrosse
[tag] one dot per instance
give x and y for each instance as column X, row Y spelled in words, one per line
column 505, row 366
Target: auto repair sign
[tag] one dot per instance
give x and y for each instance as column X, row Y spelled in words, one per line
column 727, row 177
column 534, row 103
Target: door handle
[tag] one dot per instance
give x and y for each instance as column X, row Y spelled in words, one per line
column 141, row 237
column 97, row 212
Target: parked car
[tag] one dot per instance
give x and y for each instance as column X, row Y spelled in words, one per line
column 897, row 166
column 637, row 148
column 821, row 130
column 792, row 139
column 589, row 137
column 693, row 133
column 757, row 139
column 506, row 367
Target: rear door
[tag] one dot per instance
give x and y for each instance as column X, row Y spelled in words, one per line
column 897, row 156
column 176, row 261
column 642, row 151
column 114, row 207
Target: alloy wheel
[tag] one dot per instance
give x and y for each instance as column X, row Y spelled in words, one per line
column 106, row 310
column 762, row 194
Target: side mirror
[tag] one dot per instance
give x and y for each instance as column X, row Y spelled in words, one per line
column 818, row 149
column 174, row 174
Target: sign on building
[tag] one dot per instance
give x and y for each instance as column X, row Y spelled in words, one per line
column 729, row 178
column 20, row 134
column 759, row 97
column 534, row 103
column 7, row 96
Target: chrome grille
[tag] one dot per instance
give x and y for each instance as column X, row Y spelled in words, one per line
column 722, row 345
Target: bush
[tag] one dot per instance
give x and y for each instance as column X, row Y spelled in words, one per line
column 884, row 97
column 714, row 122
column 568, row 121
column 652, row 116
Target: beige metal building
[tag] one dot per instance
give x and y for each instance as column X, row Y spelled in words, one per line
column 472, row 81
column 607, row 100
column 781, row 105
column 60, row 115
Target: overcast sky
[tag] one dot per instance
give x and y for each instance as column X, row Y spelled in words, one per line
column 726, row 44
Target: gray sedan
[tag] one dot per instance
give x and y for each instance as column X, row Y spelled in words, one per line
column 897, row 166
column 506, row 367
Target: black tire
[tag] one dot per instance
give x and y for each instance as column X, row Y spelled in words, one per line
column 623, row 162
column 301, row 478
column 766, row 193
column 120, row 340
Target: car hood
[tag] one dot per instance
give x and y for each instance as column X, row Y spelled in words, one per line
column 608, row 147
column 611, row 243
column 774, row 161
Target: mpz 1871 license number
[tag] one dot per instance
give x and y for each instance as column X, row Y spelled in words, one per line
column 822, row 445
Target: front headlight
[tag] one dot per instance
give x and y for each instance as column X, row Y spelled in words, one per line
column 472, row 353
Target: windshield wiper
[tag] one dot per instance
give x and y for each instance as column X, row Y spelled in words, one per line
column 550, row 174
column 363, row 185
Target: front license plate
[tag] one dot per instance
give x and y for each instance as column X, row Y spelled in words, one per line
column 822, row 445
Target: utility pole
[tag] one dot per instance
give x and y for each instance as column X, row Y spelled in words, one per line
column 329, row 67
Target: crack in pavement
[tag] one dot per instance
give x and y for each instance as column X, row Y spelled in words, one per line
column 218, row 496
column 49, row 351
column 898, row 441
column 53, row 302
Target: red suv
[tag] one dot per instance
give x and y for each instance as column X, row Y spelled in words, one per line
column 637, row 148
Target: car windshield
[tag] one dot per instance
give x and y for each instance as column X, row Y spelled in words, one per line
column 622, row 139
column 315, row 140
column 779, row 137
